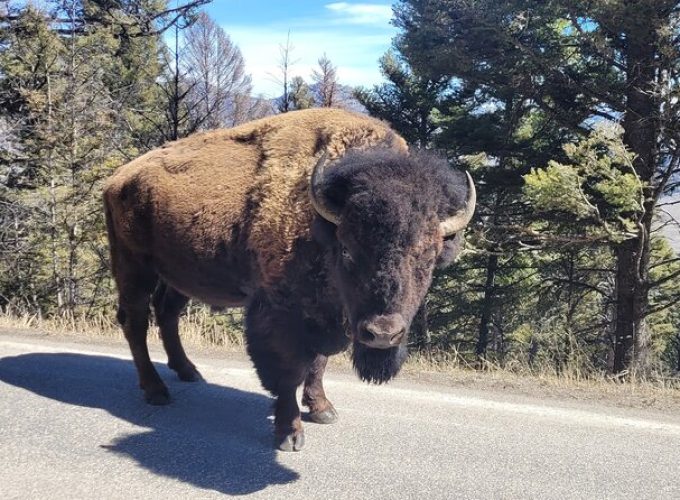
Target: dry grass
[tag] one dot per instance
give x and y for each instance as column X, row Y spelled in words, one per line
column 198, row 327
column 62, row 325
column 542, row 380
column 201, row 328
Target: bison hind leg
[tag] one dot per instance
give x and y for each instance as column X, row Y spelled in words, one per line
column 168, row 304
column 135, row 284
column 135, row 279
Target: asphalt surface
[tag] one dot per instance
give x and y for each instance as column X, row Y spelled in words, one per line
column 73, row 425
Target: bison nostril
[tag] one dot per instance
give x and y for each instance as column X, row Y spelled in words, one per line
column 382, row 332
column 367, row 336
column 394, row 339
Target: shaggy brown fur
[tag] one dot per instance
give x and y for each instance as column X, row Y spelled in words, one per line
column 225, row 217
column 207, row 188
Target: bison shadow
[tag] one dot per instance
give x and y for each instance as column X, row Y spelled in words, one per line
column 211, row 436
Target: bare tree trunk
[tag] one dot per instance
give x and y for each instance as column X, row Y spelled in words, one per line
column 73, row 91
column 570, row 357
column 174, row 99
column 487, row 306
column 285, row 63
column 53, row 204
column 641, row 128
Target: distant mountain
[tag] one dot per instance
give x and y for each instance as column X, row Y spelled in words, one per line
column 345, row 100
column 348, row 101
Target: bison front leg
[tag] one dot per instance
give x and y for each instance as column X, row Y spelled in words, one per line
column 288, row 432
column 273, row 338
column 282, row 379
column 321, row 410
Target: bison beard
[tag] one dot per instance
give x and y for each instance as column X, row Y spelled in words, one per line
column 377, row 365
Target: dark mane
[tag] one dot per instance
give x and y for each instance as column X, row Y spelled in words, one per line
column 421, row 181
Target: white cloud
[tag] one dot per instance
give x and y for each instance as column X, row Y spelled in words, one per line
column 353, row 35
column 362, row 13
column 356, row 56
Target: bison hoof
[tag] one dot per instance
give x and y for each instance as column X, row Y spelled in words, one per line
column 157, row 397
column 292, row 442
column 328, row 416
column 187, row 372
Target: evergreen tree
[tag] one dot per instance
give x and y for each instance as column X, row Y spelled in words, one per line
column 575, row 63
column 408, row 102
column 301, row 96
column 71, row 93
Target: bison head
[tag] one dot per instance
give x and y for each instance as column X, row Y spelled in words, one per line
column 387, row 219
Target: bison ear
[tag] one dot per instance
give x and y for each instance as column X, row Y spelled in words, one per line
column 452, row 249
column 328, row 189
column 336, row 191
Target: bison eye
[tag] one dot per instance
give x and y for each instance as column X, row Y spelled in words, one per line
column 346, row 255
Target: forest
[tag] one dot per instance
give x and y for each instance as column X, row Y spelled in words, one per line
column 565, row 112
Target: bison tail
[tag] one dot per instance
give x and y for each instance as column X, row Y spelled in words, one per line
column 111, row 234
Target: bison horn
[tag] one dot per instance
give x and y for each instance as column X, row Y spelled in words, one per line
column 319, row 201
column 462, row 218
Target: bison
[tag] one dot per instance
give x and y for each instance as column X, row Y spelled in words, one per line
column 320, row 222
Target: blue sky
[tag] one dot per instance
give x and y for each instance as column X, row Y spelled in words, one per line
column 353, row 34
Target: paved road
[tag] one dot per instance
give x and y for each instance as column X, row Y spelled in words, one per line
column 73, row 425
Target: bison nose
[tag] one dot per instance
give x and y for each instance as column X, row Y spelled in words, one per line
column 382, row 332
